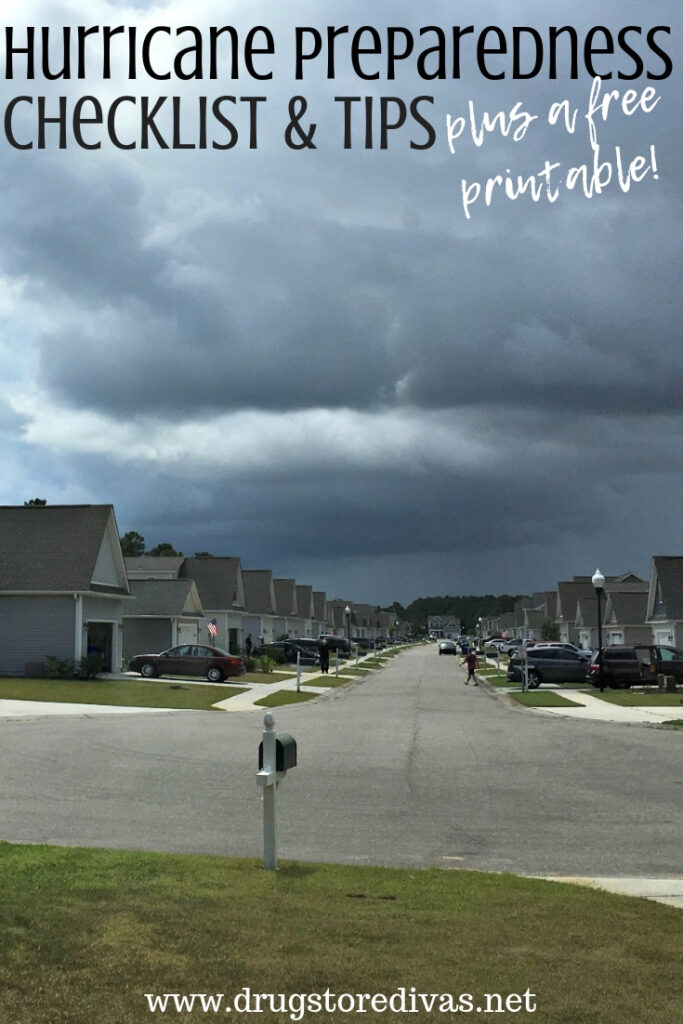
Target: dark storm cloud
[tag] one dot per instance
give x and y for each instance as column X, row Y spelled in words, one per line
column 534, row 350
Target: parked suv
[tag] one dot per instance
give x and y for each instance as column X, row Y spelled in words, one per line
column 655, row 659
column 548, row 665
column 620, row 667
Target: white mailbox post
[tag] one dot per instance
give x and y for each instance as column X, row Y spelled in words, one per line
column 276, row 755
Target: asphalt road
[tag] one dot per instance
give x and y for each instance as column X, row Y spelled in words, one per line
column 409, row 767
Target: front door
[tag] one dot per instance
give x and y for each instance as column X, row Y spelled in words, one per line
column 99, row 643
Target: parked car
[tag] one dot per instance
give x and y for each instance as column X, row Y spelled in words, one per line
column 581, row 651
column 189, row 660
column 511, row 645
column 624, row 665
column 287, row 650
column 337, row 643
column 448, row 647
column 547, row 665
column 617, row 667
column 363, row 642
column 495, row 645
column 655, row 659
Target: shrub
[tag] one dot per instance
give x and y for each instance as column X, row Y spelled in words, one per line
column 267, row 663
column 66, row 668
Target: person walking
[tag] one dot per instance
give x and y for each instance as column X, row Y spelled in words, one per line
column 248, row 645
column 470, row 660
column 324, row 653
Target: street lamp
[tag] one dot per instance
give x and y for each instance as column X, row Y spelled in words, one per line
column 347, row 613
column 598, row 582
column 480, row 633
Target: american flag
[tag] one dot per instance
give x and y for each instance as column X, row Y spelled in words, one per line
column 212, row 627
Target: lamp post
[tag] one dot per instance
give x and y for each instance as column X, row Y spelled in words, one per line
column 599, row 584
column 347, row 613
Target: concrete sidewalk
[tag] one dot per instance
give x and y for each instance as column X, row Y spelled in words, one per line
column 660, row 890
column 604, row 711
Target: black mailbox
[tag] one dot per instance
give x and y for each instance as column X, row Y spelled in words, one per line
column 285, row 752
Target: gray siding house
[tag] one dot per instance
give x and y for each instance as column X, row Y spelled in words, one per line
column 665, row 600
column 162, row 614
column 63, row 586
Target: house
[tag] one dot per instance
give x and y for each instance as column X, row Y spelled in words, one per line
column 665, row 600
column 366, row 621
column 260, row 619
column 162, row 614
column 289, row 622
column 221, row 591
column 444, row 627
column 304, row 604
column 624, row 619
column 63, row 586
column 319, row 624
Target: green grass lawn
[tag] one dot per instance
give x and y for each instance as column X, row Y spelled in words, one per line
column 136, row 693
column 545, row 699
column 631, row 699
column 280, row 697
column 86, row 933
column 267, row 677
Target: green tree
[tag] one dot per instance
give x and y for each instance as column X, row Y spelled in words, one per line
column 36, row 501
column 132, row 544
column 165, row 549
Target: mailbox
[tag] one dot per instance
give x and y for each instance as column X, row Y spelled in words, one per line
column 285, row 752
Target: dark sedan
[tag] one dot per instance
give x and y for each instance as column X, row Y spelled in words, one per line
column 188, row 660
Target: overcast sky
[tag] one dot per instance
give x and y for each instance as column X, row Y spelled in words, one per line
column 314, row 359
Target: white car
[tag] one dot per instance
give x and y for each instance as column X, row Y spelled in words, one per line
column 582, row 652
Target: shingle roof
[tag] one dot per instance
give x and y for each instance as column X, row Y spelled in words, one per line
column 164, row 598
column 53, row 547
column 669, row 573
column 629, row 608
column 285, row 597
column 320, row 605
column 304, row 600
column 258, row 591
column 154, row 566
column 218, row 581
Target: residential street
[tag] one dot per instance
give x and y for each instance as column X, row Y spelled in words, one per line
column 409, row 767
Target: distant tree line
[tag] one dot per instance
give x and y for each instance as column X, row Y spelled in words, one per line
column 133, row 546
column 466, row 608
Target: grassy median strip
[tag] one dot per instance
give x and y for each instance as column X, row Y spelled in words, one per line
column 87, row 933
column 545, row 699
column 134, row 693
column 280, row 697
column 638, row 699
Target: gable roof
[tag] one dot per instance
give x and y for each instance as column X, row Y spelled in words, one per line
column 172, row 598
column 285, row 597
column 667, row 580
column 259, row 594
column 219, row 581
column 320, row 605
column 61, row 548
column 304, row 600
column 626, row 608
column 154, row 567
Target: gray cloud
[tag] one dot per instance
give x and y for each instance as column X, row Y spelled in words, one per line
column 166, row 289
